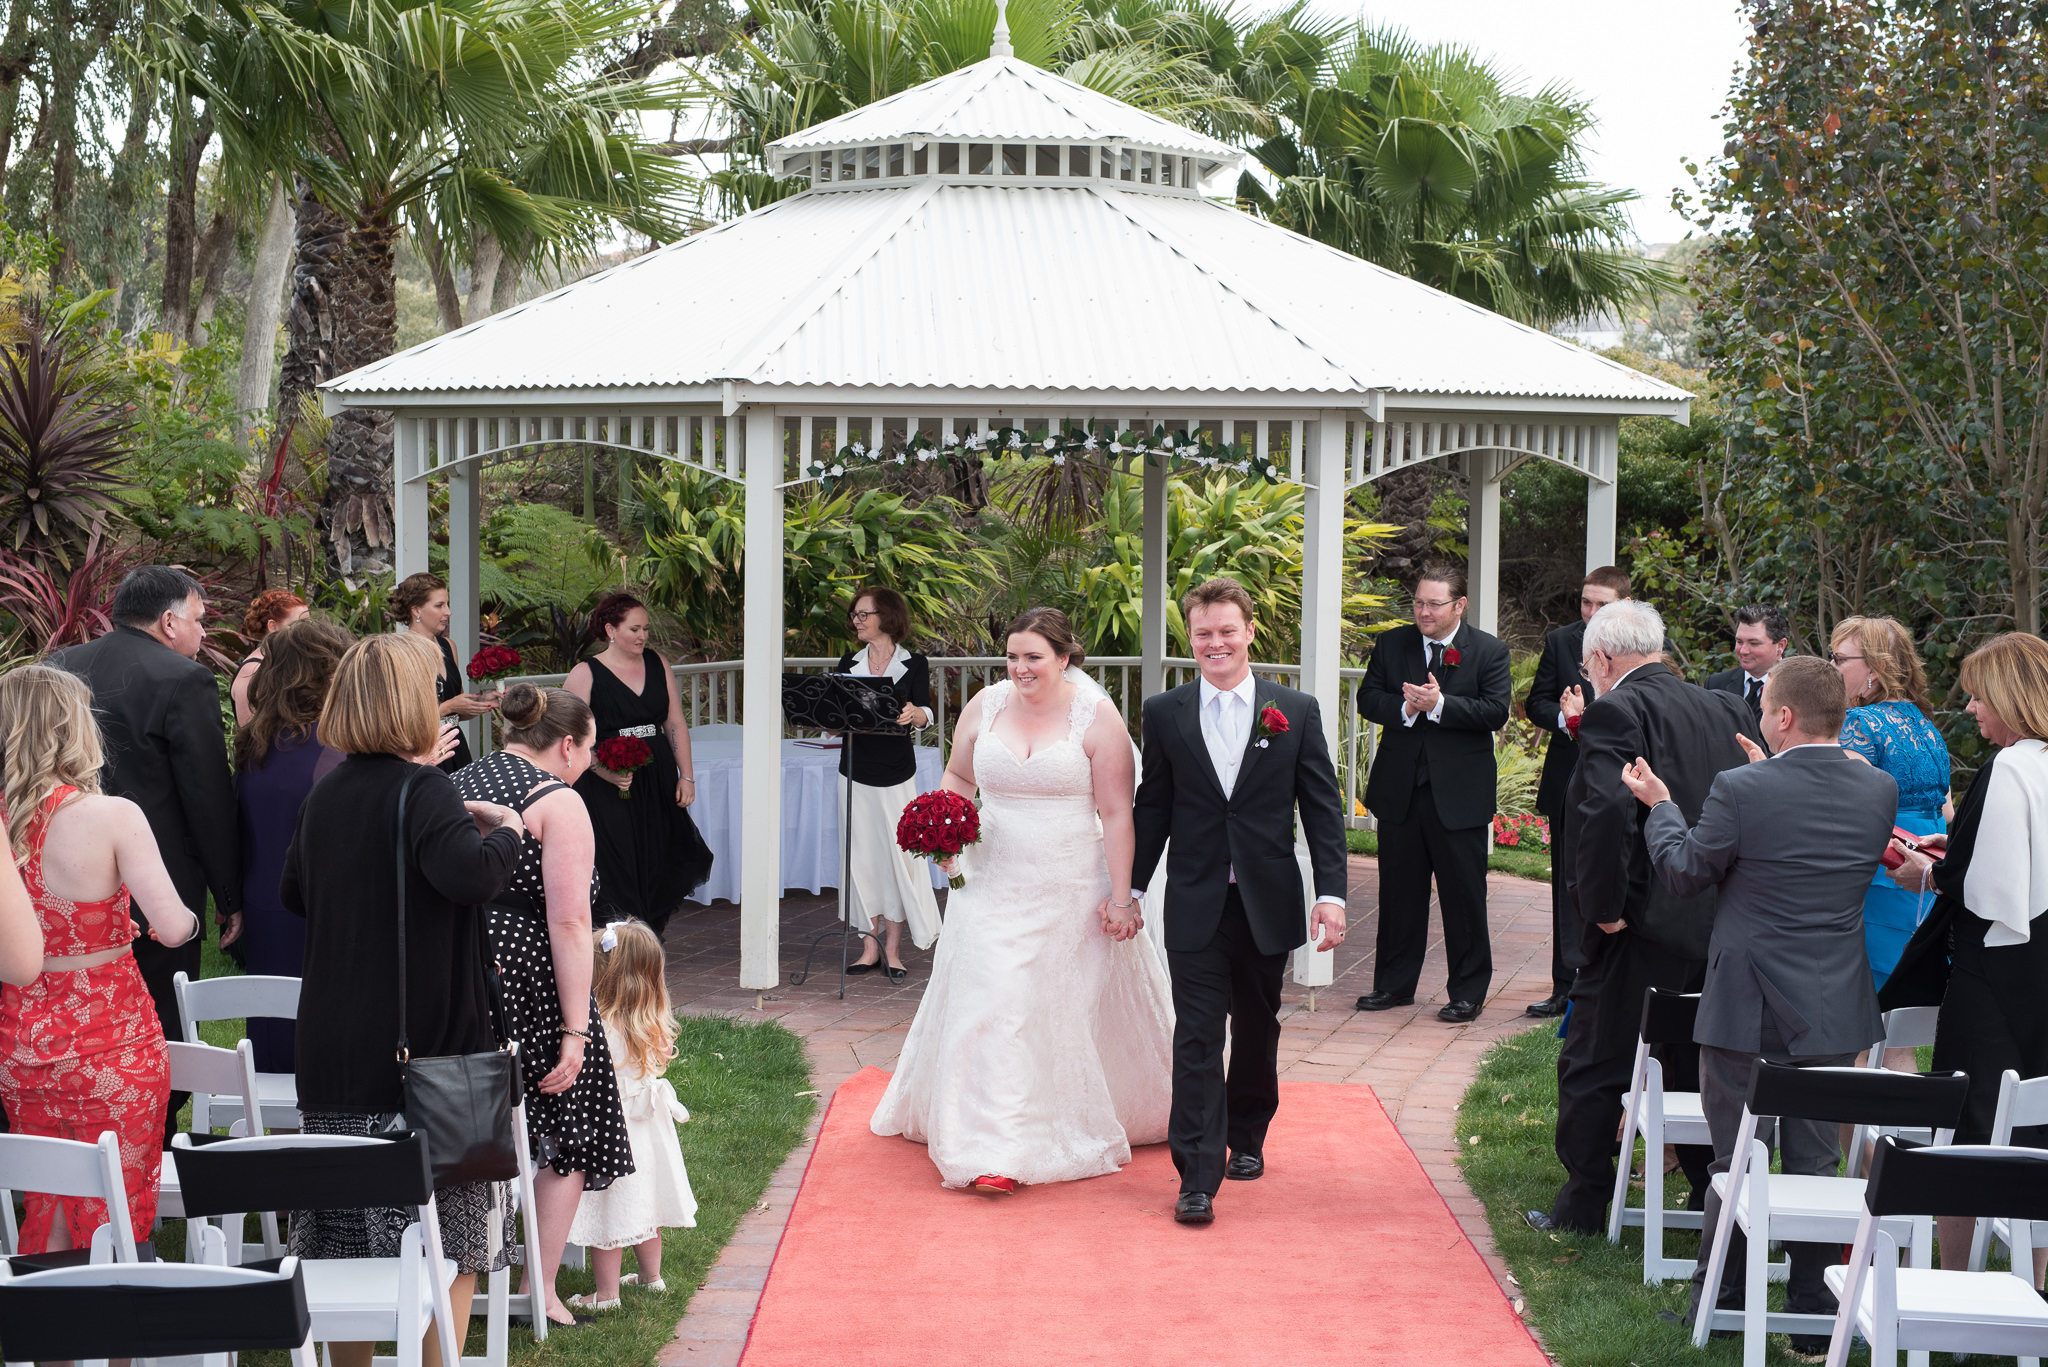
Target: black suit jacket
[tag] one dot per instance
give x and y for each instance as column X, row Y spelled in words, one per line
column 160, row 719
column 1459, row 748
column 1251, row 831
column 1688, row 736
column 1736, row 682
column 1557, row 671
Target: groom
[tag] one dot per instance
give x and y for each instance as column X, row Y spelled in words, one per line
column 1227, row 760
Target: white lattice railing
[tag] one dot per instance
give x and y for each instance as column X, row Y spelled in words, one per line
column 711, row 696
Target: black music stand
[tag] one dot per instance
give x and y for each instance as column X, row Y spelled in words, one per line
column 852, row 706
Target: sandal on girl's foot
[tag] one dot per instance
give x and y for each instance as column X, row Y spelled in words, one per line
column 996, row 1186
column 633, row 1279
column 591, row 1302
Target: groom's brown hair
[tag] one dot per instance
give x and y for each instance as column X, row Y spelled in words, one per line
column 1222, row 589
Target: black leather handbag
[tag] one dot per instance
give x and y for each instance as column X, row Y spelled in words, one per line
column 463, row 1103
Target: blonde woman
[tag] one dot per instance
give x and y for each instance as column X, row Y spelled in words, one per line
column 84, row 1053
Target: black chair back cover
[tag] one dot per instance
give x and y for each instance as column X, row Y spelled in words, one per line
column 391, row 1172
column 1913, row 1180
column 1858, row 1096
column 1668, row 1016
column 69, row 1323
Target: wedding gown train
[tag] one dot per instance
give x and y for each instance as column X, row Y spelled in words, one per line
column 1043, row 1049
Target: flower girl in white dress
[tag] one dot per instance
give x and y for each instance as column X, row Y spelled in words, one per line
column 639, row 1025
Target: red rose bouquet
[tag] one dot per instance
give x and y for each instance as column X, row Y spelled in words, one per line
column 622, row 755
column 937, row 826
column 492, row 662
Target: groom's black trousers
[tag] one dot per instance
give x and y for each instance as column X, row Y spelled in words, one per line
column 1212, row 1114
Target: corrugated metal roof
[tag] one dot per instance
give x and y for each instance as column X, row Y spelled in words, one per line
column 1003, row 97
column 1035, row 287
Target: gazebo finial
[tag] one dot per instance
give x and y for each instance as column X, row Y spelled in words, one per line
column 1001, row 46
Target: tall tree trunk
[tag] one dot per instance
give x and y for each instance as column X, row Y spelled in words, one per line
column 505, row 289
column 359, row 494
column 446, row 298
column 68, row 61
column 265, row 306
column 216, row 249
column 17, row 61
column 1406, row 497
column 483, row 276
column 316, row 275
column 189, row 136
column 122, row 186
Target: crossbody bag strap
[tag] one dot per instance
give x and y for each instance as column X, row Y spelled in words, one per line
column 404, row 982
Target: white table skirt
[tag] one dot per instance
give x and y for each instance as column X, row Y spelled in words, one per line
column 810, row 814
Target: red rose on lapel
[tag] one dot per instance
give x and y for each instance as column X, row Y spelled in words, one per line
column 1452, row 657
column 1272, row 722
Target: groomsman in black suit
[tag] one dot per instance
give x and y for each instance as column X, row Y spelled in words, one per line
column 1439, row 690
column 1559, row 675
column 1761, row 632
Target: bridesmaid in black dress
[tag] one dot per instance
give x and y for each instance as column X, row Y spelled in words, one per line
column 420, row 603
column 649, row 854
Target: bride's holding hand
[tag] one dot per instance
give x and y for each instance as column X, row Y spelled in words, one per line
column 1041, row 1050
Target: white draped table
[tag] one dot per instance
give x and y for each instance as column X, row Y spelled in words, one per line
column 810, row 813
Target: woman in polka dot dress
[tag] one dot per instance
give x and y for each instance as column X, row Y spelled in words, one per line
column 540, row 938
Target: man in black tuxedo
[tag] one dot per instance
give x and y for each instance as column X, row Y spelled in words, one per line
column 1558, row 676
column 159, row 715
column 1439, row 690
column 1761, row 633
column 1631, row 933
column 1228, row 760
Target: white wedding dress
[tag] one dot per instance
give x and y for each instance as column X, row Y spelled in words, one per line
column 1043, row 1049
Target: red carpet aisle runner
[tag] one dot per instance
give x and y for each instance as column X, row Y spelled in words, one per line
column 1342, row 1253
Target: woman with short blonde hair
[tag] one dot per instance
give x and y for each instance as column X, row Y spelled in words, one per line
column 83, row 1050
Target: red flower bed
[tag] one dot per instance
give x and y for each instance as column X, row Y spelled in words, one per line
column 1512, row 831
column 938, row 825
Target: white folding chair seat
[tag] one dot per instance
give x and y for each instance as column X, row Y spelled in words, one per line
column 198, row 1068
column 1802, row 1208
column 1921, row 1310
column 1905, row 1027
column 2020, row 1105
column 1660, row 1118
column 212, row 999
column 68, row 1167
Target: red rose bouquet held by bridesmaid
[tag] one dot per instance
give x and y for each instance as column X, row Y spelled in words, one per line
column 492, row 663
column 937, row 826
column 623, row 755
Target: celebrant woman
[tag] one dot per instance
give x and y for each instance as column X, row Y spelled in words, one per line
column 887, row 884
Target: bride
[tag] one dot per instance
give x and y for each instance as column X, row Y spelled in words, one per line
column 1043, row 1048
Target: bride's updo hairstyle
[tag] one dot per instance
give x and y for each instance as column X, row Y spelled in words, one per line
column 535, row 718
column 1050, row 625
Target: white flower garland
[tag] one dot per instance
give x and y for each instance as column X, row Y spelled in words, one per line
column 1179, row 450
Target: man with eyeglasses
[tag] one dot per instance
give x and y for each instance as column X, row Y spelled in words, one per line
column 1560, row 675
column 1761, row 634
column 1439, row 690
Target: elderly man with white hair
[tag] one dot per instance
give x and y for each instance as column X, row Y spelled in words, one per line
column 1632, row 934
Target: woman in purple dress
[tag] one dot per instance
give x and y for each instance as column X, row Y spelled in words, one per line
column 279, row 758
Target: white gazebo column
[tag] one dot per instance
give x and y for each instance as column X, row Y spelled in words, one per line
column 1152, row 614
column 761, row 735
column 1322, row 568
column 1482, row 540
column 465, row 522
column 1602, row 490
column 411, row 530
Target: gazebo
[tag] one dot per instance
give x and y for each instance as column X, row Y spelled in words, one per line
column 999, row 247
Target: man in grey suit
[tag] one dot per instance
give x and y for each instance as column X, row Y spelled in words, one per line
column 1791, row 843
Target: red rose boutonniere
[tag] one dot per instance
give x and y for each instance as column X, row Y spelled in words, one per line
column 1571, row 726
column 1452, row 657
column 1272, row 722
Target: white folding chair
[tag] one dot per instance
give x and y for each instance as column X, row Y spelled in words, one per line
column 501, row 1303
column 118, row 1310
column 1661, row 1118
column 1917, row 1308
column 1808, row 1208
column 352, row 1300
column 1905, row 1027
column 215, row 999
column 68, row 1167
column 208, row 1069
column 2020, row 1105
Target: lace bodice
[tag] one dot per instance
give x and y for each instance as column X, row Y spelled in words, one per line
column 1896, row 738
column 1059, row 770
column 72, row 927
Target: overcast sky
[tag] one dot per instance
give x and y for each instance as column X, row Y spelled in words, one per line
column 1656, row 71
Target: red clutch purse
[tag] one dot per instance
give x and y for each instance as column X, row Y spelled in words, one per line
column 1892, row 858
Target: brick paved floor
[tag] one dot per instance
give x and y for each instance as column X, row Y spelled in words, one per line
column 1418, row 1066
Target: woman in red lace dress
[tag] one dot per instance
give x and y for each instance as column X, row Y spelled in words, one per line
column 81, row 1050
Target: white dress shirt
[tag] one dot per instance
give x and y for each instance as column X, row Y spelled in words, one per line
column 1435, row 714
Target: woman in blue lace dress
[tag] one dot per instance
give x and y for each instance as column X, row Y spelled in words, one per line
column 1888, row 725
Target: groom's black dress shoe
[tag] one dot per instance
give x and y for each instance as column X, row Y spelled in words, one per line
column 1193, row 1208
column 1457, row 1013
column 1546, row 1009
column 1540, row 1221
column 1244, row 1167
column 1385, row 1001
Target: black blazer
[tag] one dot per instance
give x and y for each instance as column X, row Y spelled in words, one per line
column 1459, row 749
column 167, row 752
column 1557, row 671
column 1688, row 736
column 1251, row 831
column 885, row 761
column 1920, row 978
column 1734, row 681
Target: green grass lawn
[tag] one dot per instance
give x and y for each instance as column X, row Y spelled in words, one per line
column 1586, row 1297
column 1522, row 863
column 747, row 1085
